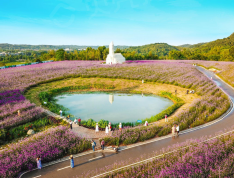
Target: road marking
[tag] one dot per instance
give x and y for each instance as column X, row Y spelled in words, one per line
column 63, row 168
column 37, row 176
column 159, row 156
column 95, row 158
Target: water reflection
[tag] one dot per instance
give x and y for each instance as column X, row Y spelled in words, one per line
column 111, row 99
column 118, row 108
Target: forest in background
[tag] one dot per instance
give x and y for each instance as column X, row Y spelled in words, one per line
column 218, row 50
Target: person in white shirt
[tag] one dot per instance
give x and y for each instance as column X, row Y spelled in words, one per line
column 61, row 112
column 146, row 123
column 177, row 129
column 97, row 129
column 107, row 130
column 75, row 121
column 120, row 126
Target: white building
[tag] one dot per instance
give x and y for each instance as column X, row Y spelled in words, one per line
column 114, row 58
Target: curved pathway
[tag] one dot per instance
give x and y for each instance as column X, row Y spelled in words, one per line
column 96, row 160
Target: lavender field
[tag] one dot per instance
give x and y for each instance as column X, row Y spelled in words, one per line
column 15, row 81
column 224, row 69
column 193, row 158
column 50, row 145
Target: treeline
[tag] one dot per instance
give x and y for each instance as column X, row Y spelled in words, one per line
column 216, row 53
column 92, row 54
column 158, row 49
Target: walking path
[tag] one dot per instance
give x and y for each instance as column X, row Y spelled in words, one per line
column 82, row 131
column 95, row 160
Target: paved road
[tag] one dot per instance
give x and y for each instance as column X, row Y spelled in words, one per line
column 88, row 162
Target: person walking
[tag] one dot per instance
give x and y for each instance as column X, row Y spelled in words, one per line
column 71, row 161
column 166, row 120
column 39, row 162
column 177, row 129
column 107, row 130
column 146, row 123
column 102, row 144
column 75, row 121
column 109, row 126
column 173, row 129
column 18, row 112
column 79, row 121
column 120, row 126
column 61, row 112
column 71, row 124
column 96, row 129
column 93, row 145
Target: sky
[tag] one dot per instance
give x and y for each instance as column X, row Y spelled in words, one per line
column 125, row 22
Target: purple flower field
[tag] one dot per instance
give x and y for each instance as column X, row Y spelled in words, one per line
column 11, row 96
column 50, row 145
column 193, row 158
column 225, row 69
column 26, row 116
column 56, row 142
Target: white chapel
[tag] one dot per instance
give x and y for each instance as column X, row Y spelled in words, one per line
column 114, row 58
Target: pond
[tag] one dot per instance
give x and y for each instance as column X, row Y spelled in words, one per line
column 114, row 107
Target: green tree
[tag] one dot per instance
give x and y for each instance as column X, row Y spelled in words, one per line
column 118, row 50
column 60, row 55
column 231, row 51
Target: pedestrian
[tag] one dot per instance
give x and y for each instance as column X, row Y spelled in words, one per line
column 177, row 129
column 102, row 144
column 146, row 123
column 120, row 126
column 187, row 91
column 175, row 91
column 97, row 129
column 61, row 112
column 71, row 161
column 211, row 78
column 93, row 145
column 109, row 126
column 79, row 121
column 107, row 130
column 18, row 112
column 75, row 121
column 39, row 162
column 71, row 124
column 173, row 129
column 166, row 119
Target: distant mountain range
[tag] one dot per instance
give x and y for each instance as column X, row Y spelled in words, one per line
column 6, row 46
column 160, row 49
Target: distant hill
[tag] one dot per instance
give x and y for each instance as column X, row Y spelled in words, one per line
column 160, row 49
column 191, row 46
column 225, row 42
column 6, row 46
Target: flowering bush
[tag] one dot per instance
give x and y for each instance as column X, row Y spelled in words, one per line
column 12, row 108
column 26, row 116
column 11, row 96
column 204, row 157
column 130, row 135
column 51, row 144
column 208, row 159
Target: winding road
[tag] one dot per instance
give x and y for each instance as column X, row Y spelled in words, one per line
column 95, row 160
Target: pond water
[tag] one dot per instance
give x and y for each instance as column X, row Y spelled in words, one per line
column 114, row 107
